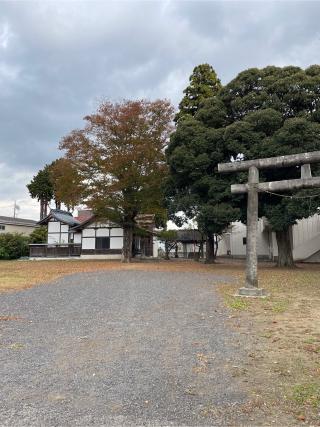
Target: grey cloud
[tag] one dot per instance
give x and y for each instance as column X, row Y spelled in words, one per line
column 58, row 59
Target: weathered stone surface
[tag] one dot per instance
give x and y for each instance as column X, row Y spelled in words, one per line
column 251, row 292
column 271, row 162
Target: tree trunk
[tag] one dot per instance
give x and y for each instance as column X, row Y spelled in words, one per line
column 127, row 244
column 285, row 257
column 216, row 245
column 210, row 257
column 166, row 250
column 201, row 250
column 43, row 208
column 176, row 251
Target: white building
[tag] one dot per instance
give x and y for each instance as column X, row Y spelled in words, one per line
column 17, row 225
column 89, row 237
column 305, row 240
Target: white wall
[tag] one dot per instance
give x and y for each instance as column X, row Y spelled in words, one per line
column 116, row 242
column 89, row 243
column 54, row 236
column 53, row 227
column 88, row 232
column 237, row 236
column 305, row 239
column 14, row 228
column 102, row 229
column 77, row 237
column 116, row 232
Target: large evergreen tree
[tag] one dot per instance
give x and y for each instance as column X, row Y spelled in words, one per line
column 261, row 113
column 41, row 188
column 271, row 112
column 194, row 151
column 193, row 187
column 204, row 84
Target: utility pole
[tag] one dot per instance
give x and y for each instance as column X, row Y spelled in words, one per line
column 15, row 209
column 253, row 187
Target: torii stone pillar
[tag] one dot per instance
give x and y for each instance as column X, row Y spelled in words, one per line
column 252, row 227
column 253, row 187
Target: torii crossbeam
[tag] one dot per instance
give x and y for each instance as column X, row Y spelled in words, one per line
column 253, row 187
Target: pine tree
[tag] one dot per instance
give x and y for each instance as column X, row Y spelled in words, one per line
column 204, row 84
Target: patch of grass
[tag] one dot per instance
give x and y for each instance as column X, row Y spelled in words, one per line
column 267, row 334
column 237, row 303
column 311, row 340
column 16, row 346
column 280, row 306
column 307, row 394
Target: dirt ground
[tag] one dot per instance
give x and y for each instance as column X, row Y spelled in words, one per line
column 282, row 370
column 18, row 275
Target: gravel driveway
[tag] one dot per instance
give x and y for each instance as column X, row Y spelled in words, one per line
column 118, row 348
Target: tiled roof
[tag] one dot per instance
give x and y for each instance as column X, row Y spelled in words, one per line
column 189, row 236
column 60, row 215
column 17, row 221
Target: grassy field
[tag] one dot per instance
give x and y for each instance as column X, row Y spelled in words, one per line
column 282, row 369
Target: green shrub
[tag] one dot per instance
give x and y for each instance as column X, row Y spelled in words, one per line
column 13, row 245
column 39, row 235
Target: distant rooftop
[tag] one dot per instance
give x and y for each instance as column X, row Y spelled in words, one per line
column 8, row 220
column 186, row 236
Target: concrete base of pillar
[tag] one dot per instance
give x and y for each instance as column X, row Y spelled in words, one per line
column 252, row 292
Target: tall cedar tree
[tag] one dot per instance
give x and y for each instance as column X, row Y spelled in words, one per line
column 204, row 84
column 193, row 153
column 264, row 113
column 41, row 188
column 193, row 187
column 119, row 157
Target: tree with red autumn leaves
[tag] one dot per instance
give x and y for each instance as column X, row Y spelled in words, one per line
column 120, row 161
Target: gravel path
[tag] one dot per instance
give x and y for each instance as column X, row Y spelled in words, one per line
column 118, row 348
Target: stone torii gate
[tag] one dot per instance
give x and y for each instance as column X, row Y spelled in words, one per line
column 253, row 187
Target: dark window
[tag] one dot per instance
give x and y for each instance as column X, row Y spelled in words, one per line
column 2, row 227
column 102, row 242
column 244, row 240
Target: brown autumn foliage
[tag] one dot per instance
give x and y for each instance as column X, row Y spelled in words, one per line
column 119, row 158
column 66, row 183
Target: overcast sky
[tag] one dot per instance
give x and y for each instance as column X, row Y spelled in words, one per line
column 58, row 59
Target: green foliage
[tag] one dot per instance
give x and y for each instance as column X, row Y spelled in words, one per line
column 39, row 235
column 271, row 112
column 204, row 84
column 261, row 113
column 240, row 304
column 167, row 235
column 13, row 245
column 57, row 181
column 169, row 238
column 120, row 162
column 41, row 187
column 192, row 187
column 307, row 394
